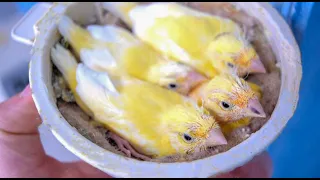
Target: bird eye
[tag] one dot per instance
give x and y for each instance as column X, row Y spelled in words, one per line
column 230, row 65
column 225, row 105
column 187, row 138
column 172, row 86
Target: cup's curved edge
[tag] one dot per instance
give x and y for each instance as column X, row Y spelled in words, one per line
column 200, row 168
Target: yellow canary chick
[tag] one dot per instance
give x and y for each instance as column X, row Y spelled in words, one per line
column 228, row 127
column 210, row 44
column 229, row 98
column 116, row 51
column 157, row 122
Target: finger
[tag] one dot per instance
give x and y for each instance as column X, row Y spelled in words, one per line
column 260, row 167
column 20, row 154
column 20, row 145
column 76, row 170
column 19, row 114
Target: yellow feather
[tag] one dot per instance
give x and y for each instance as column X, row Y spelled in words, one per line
column 67, row 65
column 167, row 111
column 191, row 49
column 230, row 127
column 121, row 10
column 154, row 119
column 257, row 89
column 131, row 56
column 114, row 50
column 227, row 128
column 223, row 89
column 151, row 118
column 210, row 44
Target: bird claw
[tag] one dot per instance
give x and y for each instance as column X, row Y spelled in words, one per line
column 246, row 131
column 125, row 147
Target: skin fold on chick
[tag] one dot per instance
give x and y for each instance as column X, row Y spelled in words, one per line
column 155, row 121
column 210, row 44
column 116, row 51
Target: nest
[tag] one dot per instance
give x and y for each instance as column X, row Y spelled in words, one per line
column 269, row 82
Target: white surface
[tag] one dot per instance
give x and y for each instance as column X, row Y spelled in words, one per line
column 14, row 58
column 53, row 147
column 23, row 31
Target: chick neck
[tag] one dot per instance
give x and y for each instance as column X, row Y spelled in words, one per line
column 198, row 95
column 196, row 92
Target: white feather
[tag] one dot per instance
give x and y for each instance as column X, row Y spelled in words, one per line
column 97, row 80
column 143, row 17
column 64, row 26
column 63, row 59
column 96, row 89
column 117, row 9
column 111, row 34
column 99, row 32
column 98, row 59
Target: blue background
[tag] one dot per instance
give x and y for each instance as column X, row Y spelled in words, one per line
column 296, row 152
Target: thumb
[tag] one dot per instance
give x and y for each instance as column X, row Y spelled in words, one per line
column 19, row 114
column 20, row 146
column 259, row 167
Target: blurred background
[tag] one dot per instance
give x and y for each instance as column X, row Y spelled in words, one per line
column 296, row 151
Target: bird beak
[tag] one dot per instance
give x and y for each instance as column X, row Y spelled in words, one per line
column 215, row 138
column 195, row 78
column 256, row 66
column 255, row 109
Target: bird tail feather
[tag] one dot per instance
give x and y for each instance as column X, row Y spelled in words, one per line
column 121, row 9
column 67, row 65
column 77, row 36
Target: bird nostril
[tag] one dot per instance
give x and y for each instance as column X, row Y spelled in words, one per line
column 255, row 111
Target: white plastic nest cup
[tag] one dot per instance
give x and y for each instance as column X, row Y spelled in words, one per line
column 287, row 54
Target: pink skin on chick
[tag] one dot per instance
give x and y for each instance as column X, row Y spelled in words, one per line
column 256, row 66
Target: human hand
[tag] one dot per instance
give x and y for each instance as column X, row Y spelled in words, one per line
column 21, row 151
column 22, row 154
column 259, row 167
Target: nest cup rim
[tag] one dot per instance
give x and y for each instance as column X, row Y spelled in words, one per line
column 119, row 166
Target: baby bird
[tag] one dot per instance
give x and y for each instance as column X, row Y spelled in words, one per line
column 210, row 44
column 119, row 52
column 229, row 98
column 155, row 121
column 229, row 126
column 105, row 33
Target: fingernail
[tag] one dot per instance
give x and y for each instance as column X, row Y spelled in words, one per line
column 26, row 92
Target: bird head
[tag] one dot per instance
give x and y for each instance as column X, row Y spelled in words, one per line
column 230, row 98
column 176, row 76
column 192, row 129
column 231, row 53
